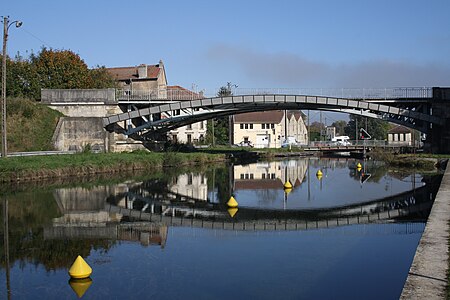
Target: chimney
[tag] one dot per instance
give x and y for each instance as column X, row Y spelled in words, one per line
column 142, row 71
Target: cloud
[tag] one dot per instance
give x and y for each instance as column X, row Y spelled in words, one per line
column 286, row 69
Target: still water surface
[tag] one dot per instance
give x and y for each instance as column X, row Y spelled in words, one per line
column 341, row 236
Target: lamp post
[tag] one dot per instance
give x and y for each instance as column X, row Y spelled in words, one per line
column 6, row 25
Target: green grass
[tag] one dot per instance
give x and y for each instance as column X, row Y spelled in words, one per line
column 57, row 166
column 30, row 125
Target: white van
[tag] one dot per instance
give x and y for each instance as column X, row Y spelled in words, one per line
column 342, row 140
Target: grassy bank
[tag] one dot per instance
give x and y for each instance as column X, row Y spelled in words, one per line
column 416, row 161
column 15, row 169
column 30, row 125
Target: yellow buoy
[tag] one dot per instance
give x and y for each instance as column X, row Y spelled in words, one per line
column 80, row 269
column 319, row 173
column 319, row 176
column 358, row 165
column 232, row 211
column 287, row 191
column 232, row 202
column 358, row 169
column 80, row 286
column 288, row 185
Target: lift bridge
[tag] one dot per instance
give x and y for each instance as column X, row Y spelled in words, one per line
column 150, row 114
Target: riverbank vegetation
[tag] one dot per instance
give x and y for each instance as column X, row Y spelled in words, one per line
column 416, row 161
column 18, row 169
column 30, row 125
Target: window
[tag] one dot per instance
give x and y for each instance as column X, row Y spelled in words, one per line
column 251, row 175
column 242, row 126
column 190, row 178
column 189, row 127
column 189, row 139
column 246, row 176
column 202, row 125
column 251, row 126
column 246, row 126
column 272, row 126
column 263, row 126
column 263, row 176
column 242, row 176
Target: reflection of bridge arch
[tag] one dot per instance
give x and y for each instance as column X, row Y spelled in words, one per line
column 203, row 109
column 215, row 216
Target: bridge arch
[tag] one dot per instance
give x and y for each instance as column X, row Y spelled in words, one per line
column 206, row 108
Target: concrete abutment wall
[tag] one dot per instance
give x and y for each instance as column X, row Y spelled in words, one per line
column 82, row 124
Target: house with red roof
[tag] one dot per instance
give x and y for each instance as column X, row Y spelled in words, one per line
column 151, row 79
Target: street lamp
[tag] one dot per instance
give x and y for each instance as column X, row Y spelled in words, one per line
column 6, row 26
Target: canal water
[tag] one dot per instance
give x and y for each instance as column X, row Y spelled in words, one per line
column 350, row 233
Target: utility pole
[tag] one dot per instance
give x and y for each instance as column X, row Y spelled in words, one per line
column 6, row 26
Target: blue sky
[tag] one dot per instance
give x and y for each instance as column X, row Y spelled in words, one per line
column 254, row 44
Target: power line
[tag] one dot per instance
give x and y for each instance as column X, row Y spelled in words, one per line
column 40, row 40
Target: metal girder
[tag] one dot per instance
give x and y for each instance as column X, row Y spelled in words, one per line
column 222, row 106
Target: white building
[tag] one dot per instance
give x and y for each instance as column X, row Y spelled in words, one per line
column 269, row 129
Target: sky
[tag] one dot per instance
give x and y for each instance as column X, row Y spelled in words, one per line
column 252, row 44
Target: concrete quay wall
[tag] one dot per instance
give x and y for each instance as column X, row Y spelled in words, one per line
column 427, row 277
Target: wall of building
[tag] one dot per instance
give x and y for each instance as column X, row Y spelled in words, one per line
column 274, row 134
column 399, row 139
column 195, row 132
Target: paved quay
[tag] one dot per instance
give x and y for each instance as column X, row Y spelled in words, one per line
column 427, row 277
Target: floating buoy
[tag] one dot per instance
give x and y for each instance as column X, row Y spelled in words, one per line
column 358, row 165
column 80, row 269
column 319, row 176
column 232, row 211
column 287, row 185
column 232, row 202
column 287, row 191
column 319, row 173
column 358, row 169
column 80, row 286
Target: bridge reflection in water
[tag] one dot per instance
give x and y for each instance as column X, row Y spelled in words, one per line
column 143, row 211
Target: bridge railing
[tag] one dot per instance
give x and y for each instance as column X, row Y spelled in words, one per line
column 180, row 94
column 157, row 94
column 367, row 143
column 351, row 93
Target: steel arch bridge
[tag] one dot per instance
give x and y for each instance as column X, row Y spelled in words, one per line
column 141, row 123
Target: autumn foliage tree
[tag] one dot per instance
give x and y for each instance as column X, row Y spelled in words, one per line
column 52, row 69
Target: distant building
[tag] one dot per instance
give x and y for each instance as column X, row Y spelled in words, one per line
column 330, row 132
column 400, row 136
column 270, row 128
column 142, row 77
column 151, row 80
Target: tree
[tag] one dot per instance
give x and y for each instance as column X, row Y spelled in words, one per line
column 219, row 128
column 376, row 128
column 58, row 69
column 340, row 127
column 315, row 130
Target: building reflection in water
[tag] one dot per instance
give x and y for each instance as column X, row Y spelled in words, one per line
column 84, row 217
column 268, row 177
column 191, row 185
